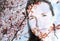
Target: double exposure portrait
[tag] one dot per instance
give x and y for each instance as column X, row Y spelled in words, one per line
column 29, row 20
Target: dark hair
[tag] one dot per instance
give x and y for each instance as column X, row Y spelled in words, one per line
column 32, row 36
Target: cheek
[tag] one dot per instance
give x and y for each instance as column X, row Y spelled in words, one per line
column 46, row 19
column 45, row 22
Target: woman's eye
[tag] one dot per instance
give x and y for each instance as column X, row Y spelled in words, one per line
column 43, row 14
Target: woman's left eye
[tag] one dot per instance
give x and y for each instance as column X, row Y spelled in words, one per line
column 43, row 14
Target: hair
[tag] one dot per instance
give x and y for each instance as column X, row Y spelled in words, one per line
column 32, row 36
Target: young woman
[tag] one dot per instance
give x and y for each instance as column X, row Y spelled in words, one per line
column 40, row 19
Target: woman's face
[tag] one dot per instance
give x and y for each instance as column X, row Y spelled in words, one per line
column 40, row 17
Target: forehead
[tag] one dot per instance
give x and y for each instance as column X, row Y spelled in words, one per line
column 40, row 8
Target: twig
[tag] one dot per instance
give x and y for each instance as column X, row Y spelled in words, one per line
column 19, row 26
